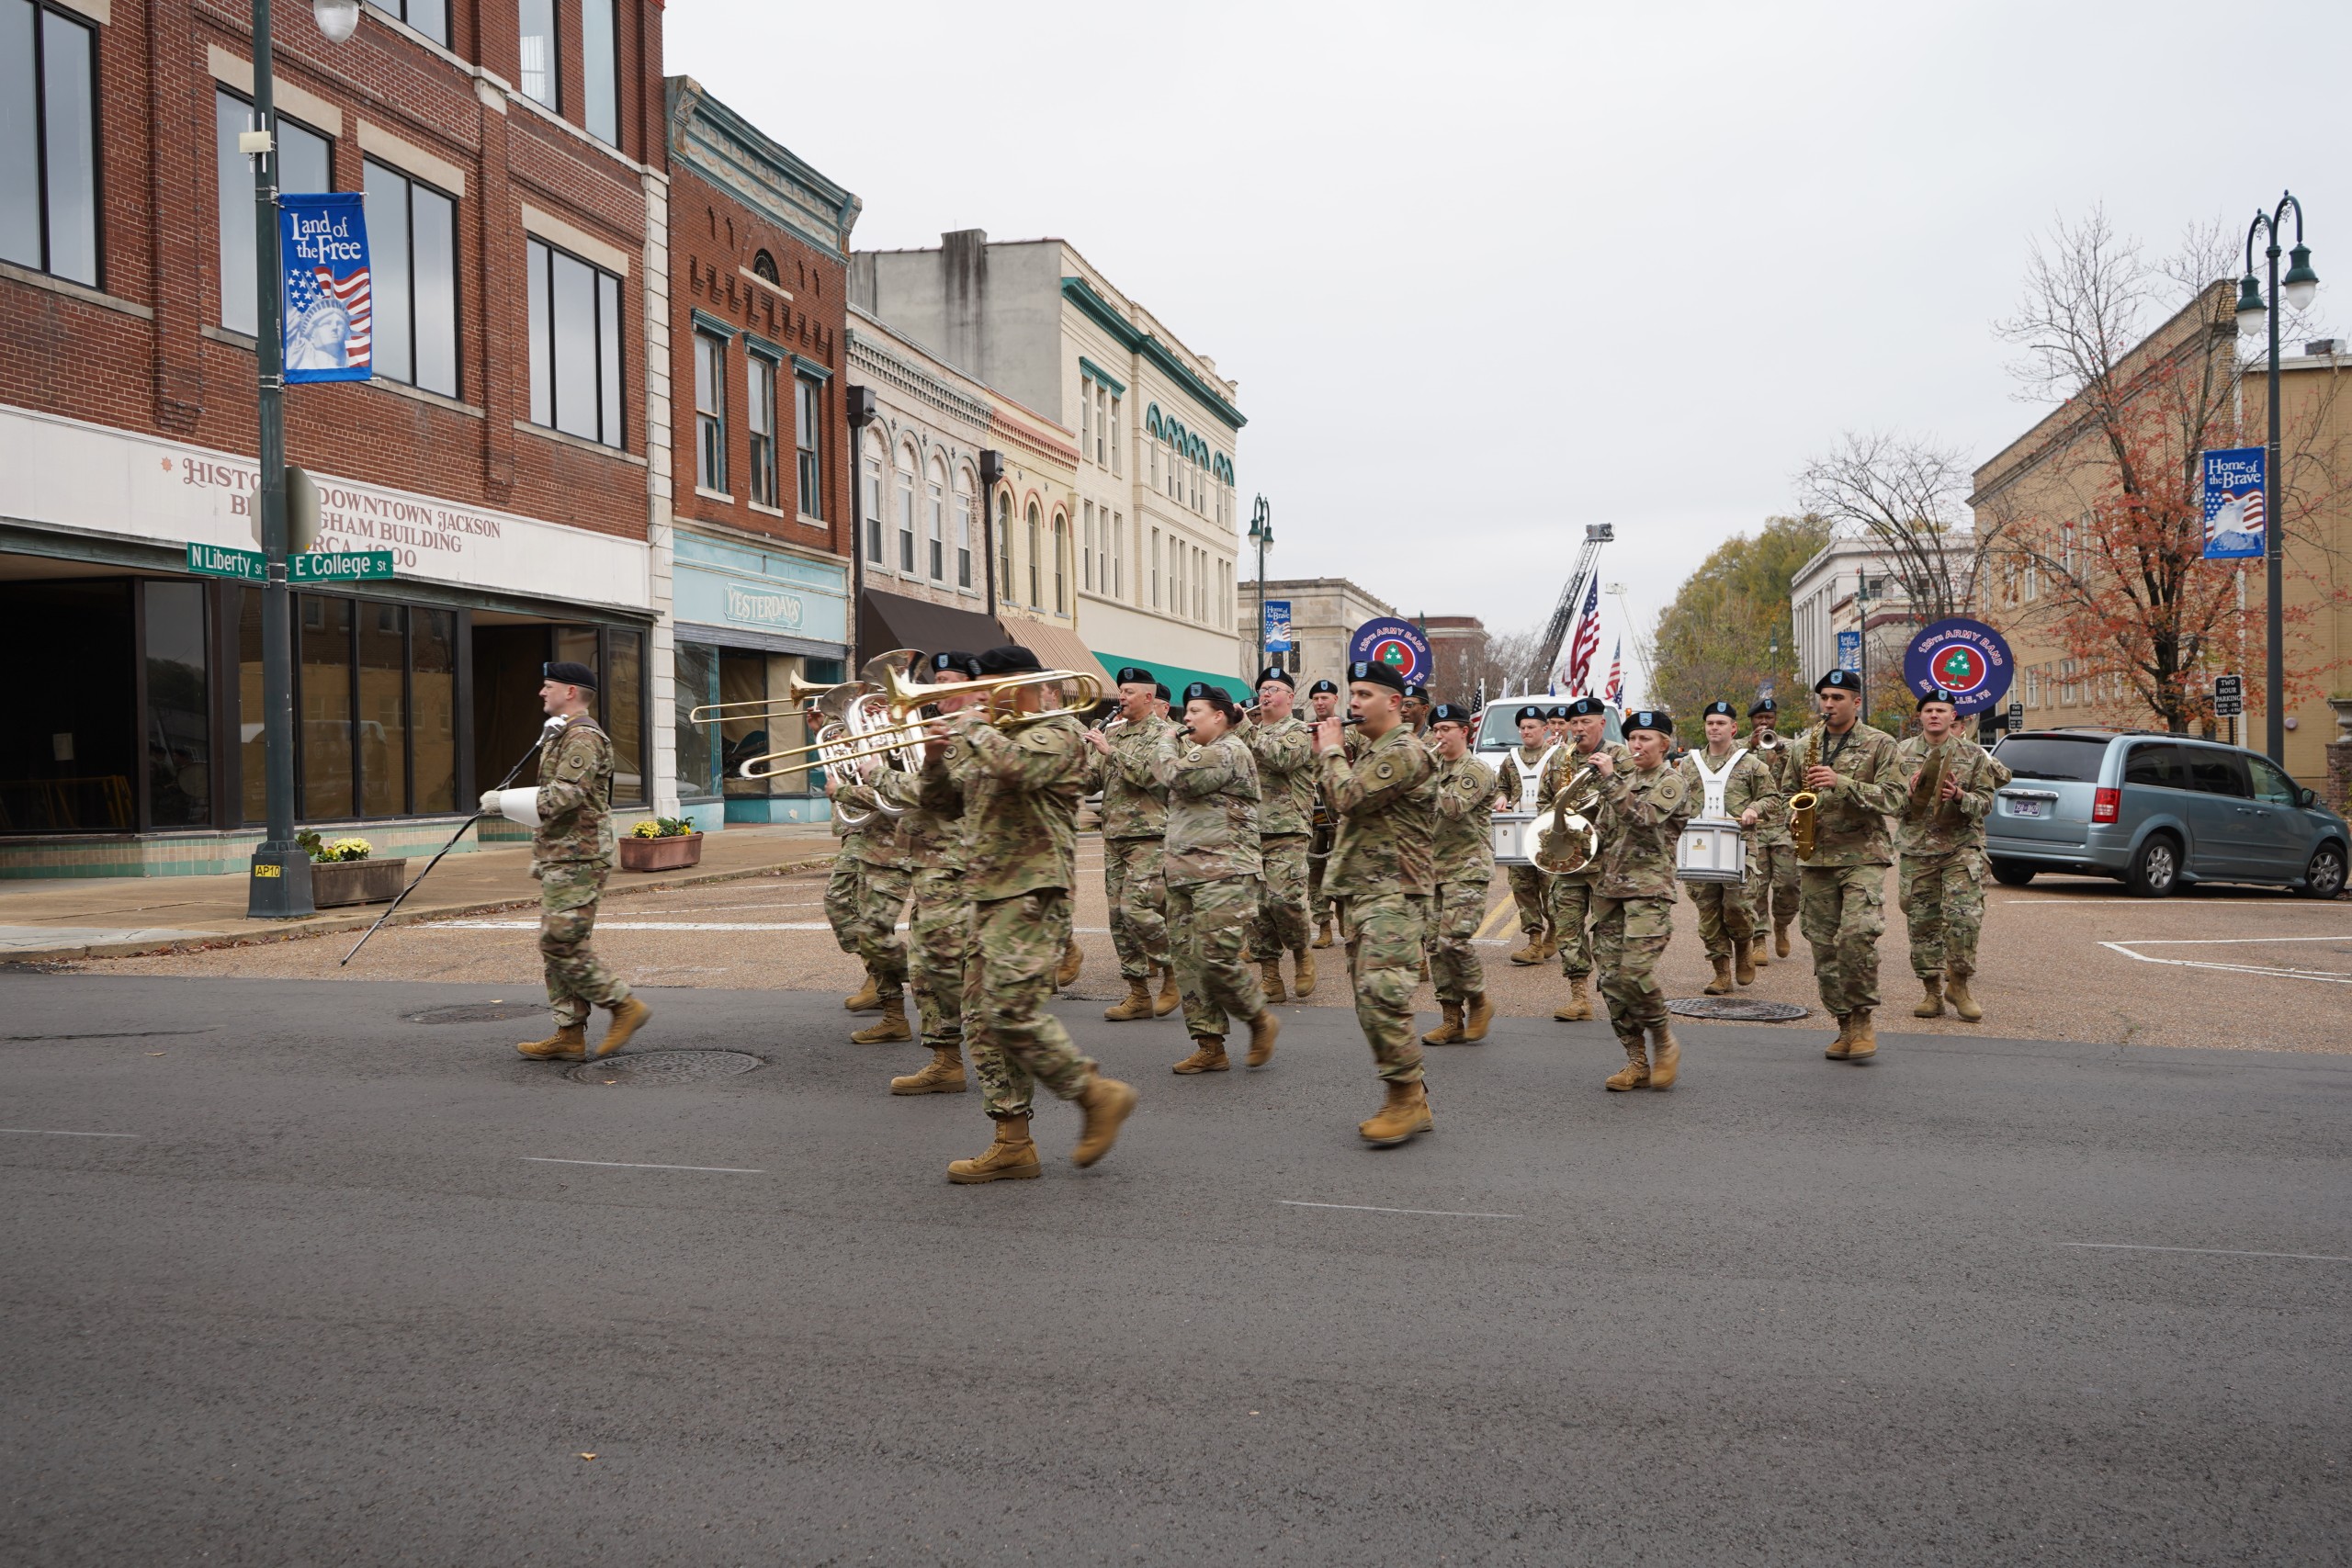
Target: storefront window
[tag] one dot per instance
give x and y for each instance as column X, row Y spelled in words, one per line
column 253, row 757
column 68, row 730
column 433, row 697
column 178, row 725
column 323, row 706
column 697, row 683
column 383, row 710
column 625, row 713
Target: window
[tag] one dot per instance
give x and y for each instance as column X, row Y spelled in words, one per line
column 1102, row 406
column 1004, row 543
column 178, row 727
column 2070, row 689
column 2032, row 580
column 1086, row 544
column 49, row 158
column 430, row 17
column 2066, row 560
column 302, row 166
column 873, row 503
column 710, row 413
column 1086, row 416
column 759, row 420
column 936, row 521
column 2159, row 765
column 1118, row 554
column 1036, row 593
column 575, row 313
column 764, row 267
column 906, row 478
column 412, row 249
column 2270, row 787
column 1061, row 567
column 1155, row 569
column 600, row 70
column 807, row 397
column 1115, row 434
column 2218, row 772
column 538, row 21
column 963, row 527
column 1155, row 467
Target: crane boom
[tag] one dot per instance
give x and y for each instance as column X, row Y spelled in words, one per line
column 1563, row 614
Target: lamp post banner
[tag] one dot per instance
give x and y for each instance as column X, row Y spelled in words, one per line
column 2235, row 527
column 1399, row 644
column 329, row 326
column 1277, row 626
column 1966, row 658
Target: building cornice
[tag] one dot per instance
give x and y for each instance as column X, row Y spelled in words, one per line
column 876, row 354
column 731, row 152
column 1103, row 313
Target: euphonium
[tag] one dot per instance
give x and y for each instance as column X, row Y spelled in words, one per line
column 1927, row 790
column 1803, row 804
column 1566, row 837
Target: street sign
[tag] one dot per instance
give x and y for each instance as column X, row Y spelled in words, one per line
column 2234, row 529
column 311, row 566
column 1399, row 644
column 1278, row 626
column 1850, row 650
column 1966, row 658
column 2017, row 717
column 2229, row 696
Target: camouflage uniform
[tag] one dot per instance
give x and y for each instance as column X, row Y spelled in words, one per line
column 1940, row 880
column 1017, row 797
column 1212, row 866
column 1771, row 854
column 1842, row 891
column 1135, row 818
column 1570, row 894
column 1529, row 887
column 939, row 928
column 876, row 891
column 1285, row 755
column 1642, row 814
column 1727, row 910
column 571, row 855
column 1381, row 877
column 1463, row 852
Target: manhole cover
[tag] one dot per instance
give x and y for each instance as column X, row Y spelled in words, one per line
column 1735, row 1010
column 476, row 1012
column 662, row 1067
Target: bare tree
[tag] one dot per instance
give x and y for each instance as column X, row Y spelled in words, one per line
column 1909, row 497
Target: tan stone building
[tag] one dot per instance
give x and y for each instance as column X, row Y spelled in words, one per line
column 1324, row 614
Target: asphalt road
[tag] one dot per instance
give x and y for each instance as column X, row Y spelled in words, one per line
column 326, row 1303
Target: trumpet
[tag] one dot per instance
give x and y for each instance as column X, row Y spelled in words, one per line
column 1803, row 805
column 896, row 727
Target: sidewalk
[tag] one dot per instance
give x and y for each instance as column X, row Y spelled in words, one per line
column 116, row 917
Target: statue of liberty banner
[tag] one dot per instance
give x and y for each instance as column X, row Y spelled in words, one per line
column 329, row 313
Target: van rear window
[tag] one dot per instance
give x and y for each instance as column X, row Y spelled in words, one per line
column 2066, row 759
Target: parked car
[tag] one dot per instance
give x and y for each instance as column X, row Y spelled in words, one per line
column 2157, row 811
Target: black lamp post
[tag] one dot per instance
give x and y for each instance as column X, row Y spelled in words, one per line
column 2299, row 283
column 1261, row 533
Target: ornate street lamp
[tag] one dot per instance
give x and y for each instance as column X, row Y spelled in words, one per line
column 1261, row 533
column 2299, row 286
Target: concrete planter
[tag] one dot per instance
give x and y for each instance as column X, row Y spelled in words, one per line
column 356, row 882
column 661, row 854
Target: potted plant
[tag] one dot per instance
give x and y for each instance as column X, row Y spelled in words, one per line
column 662, row 843
column 343, row 871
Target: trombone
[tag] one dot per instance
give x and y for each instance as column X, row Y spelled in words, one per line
column 799, row 693
column 901, row 701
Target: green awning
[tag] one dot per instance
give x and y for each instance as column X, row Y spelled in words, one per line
column 1176, row 677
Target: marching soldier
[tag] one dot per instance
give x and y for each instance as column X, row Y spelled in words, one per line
column 1322, row 701
column 1017, row 795
column 1555, row 723
column 1570, row 894
column 1134, row 820
column 1842, row 888
column 1463, row 863
column 1643, row 809
column 1517, row 783
column 1417, row 708
column 1728, row 782
column 863, row 903
column 1285, row 754
column 570, row 814
column 1772, row 858
column 1211, row 866
column 1949, row 783
column 845, row 889
column 1381, row 877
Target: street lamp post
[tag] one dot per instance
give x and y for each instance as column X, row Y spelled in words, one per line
column 1261, row 533
column 279, row 884
column 2254, row 304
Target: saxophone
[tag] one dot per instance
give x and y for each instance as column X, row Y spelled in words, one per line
column 1803, row 803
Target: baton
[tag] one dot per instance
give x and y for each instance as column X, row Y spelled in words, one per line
column 452, row 844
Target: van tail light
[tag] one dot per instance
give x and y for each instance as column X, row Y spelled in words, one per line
column 2107, row 805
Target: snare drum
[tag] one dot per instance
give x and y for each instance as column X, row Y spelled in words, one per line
column 1512, row 842
column 1710, row 851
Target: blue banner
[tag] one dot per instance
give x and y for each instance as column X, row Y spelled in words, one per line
column 323, row 245
column 1277, row 626
column 2235, row 504
column 1850, row 650
column 1966, row 658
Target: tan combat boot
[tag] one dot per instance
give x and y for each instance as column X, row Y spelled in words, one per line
column 1956, row 987
column 1533, row 953
column 1303, row 984
column 1425, row 970
column 1932, row 1004
column 1073, row 960
column 1270, row 976
column 1136, row 1004
column 943, row 1076
column 1010, row 1156
column 1405, row 1114
column 628, row 1016
column 568, row 1043
column 1169, row 996
column 1862, row 1044
column 1780, row 938
column 1578, row 1007
column 866, row 998
column 1666, row 1054
column 1323, row 931
column 1107, row 1103
column 1841, row 1047
column 1209, row 1055
column 1756, row 955
column 1476, row 1014
column 890, row 1027
column 1264, row 1031
column 1743, row 958
column 1450, row 1031
column 1721, row 984
column 1635, row 1073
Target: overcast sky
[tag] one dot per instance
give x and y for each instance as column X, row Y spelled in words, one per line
column 1488, row 273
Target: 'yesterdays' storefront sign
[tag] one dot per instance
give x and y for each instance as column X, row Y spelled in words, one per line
column 763, row 607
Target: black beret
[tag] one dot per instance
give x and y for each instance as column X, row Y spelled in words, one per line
column 1160, row 689
column 1840, row 681
column 1763, row 705
column 1650, row 718
column 956, row 660
column 563, row 672
column 1938, row 694
column 1714, row 708
column 1416, row 690
column 1452, row 712
column 1201, row 691
column 1330, row 686
column 1523, row 714
column 1276, row 672
column 1133, row 675
column 1010, row 659
column 1557, row 710
column 1377, row 673
column 1588, row 708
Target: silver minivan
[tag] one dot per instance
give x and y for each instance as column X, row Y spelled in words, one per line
column 2156, row 811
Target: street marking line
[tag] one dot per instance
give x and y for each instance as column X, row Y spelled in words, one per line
column 631, row 1165
column 53, row 1133
column 1375, row 1208
column 2204, row 1251
column 2159, row 903
column 2229, row 941
column 674, row 926
column 1492, row 926
column 2323, row 976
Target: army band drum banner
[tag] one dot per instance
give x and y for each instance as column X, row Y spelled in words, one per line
column 323, row 245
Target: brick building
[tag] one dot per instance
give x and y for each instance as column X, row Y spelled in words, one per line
column 512, row 160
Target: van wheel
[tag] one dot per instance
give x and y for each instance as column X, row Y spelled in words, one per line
column 2324, row 878
column 2009, row 873
column 2155, row 870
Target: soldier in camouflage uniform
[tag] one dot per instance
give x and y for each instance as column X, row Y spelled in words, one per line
column 1322, row 702
column 1728, row 782
column 1772, row 857
column 1842, row 889
column 1285, row 754
column 1135, row 821
column 1462, row 864
column 1569, row 894
column 1643, row 809
column 874, row 890
column 1381, row 877
column 1016, row 793
column 1212, row 865
column 1942, row 845
column 1517, row 780
column 569, row 813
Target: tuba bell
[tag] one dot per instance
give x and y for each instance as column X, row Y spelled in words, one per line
column 1566, row 837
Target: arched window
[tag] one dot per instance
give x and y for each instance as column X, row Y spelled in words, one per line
column 764, row 267
column 873, row 463
column 935, row 520
column 906, row 508
column 1061, row 568
column 1036, row 588
column 963, row 527
column 1004, row 543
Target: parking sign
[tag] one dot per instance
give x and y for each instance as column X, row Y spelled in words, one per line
column 2229, row 696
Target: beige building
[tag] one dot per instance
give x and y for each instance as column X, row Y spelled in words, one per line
column 1849, row 585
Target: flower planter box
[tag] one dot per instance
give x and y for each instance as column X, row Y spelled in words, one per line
column 334, row 883
column 661, row 854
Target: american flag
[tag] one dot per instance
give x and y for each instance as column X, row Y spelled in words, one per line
column 1614, row 693
column 1587, row 642
column 352, row 294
